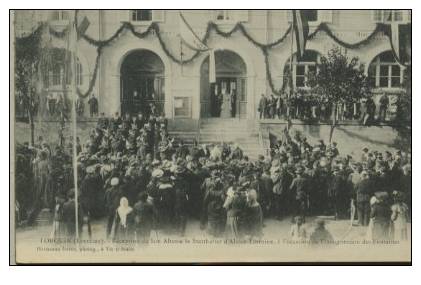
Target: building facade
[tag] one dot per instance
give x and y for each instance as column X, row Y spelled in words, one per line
column 131, row 58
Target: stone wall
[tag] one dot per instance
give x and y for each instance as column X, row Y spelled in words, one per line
column 350, row 138
column 50, row 131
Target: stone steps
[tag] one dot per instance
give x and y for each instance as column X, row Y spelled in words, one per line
column 232, row 131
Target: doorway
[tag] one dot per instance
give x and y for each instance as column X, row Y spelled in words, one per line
column 227, row 97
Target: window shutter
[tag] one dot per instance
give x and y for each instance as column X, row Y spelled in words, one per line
column 158, row 15
column 242, row 15
column 325, row 16
column 289, row 15
column 377, row 16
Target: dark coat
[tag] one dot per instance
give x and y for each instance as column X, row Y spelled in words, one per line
column 364, row 190
column 121, row 232
column 144, row 214
column 299, row 187
column 112, row 198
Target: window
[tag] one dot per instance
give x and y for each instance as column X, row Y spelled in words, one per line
column 388, row 16
column 223, row 15
column 182, row 107
column 385, row 72
column 141, row 15
column 303, row 67
column 60, row 15
column 57, row 72
column 310, row 15
column 314, row 17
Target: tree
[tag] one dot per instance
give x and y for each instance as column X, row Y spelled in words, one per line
column 27, row 58
column 338, row 80
column 403, row 119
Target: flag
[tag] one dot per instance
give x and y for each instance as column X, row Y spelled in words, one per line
column 83, row 26
column 300, row 27
column 400, row 38
column 212, row 68
column 189, row 37
column 400, row 41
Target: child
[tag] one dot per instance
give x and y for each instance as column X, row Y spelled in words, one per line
column 399, row 217
column 298, row 231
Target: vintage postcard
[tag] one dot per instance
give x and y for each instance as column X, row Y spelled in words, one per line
column 210, row 136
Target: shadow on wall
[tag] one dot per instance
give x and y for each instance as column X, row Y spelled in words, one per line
column 351, row 139
column 50, row 132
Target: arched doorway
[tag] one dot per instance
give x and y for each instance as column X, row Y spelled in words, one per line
column 142, row 82
column 227, row 98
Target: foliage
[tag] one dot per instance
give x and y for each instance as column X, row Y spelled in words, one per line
column 403, row 120
column 339, row 79
column 27, row 59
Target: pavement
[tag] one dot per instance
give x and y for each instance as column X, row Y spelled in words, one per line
column 340, row 229
column 34, row 245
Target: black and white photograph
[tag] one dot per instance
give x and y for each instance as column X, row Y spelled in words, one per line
column 211, row 136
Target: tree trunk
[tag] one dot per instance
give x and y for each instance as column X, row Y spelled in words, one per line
column 31, row 123
column 333, row 124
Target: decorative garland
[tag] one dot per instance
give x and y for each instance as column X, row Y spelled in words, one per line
column 239, row 27
column 93, row 80
column 56, row 34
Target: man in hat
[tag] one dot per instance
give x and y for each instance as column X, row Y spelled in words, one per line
column 181, row 198
column 214, row 213
column 91, row 193
column 115, row 121
column 384, row 104
column 281, row 180
column 262, row 107
column 380, row 214
column 166, row 206
column 102, row 122
column 338, row 194
column 112, row 202
column 144, row 214
column 363, row 190
column 265, row 191
column 299, row 188
column 69, row 214
column 93, row 105
column 237, row 152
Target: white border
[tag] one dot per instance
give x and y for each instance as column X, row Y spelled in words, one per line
column 213, row 275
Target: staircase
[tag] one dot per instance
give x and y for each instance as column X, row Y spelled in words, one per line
column 244, row 132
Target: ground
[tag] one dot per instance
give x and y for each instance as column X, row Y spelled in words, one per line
column 198, row 246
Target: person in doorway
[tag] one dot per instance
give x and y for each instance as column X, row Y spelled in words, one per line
column 233, row 100
column 225, row 105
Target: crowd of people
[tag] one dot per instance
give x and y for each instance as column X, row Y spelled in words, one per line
column 137, row 178
column 310, row 107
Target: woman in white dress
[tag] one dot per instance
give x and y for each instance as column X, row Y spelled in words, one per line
column 226, row 105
